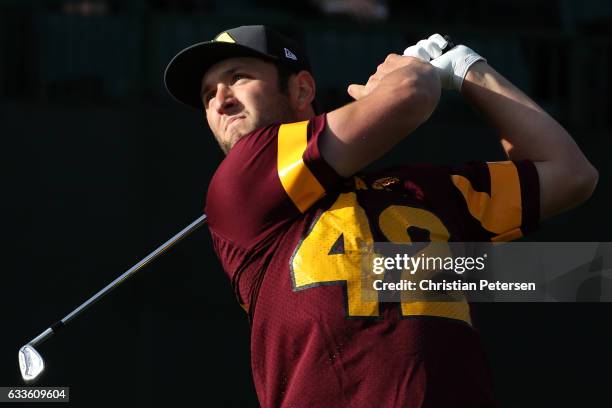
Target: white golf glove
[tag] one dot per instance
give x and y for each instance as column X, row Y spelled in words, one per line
column 452, row 65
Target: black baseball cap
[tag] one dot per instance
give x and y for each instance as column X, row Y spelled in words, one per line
column 183, row 76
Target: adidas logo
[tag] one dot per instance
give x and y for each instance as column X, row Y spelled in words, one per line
column 290, row 55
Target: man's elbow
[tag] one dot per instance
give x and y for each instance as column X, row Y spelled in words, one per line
column 578, row 182
column 564, row 186
column 585, row 182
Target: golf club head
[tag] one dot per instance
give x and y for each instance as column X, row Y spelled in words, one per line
column 30, row 363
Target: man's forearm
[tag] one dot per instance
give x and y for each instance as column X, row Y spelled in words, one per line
column 526, row 131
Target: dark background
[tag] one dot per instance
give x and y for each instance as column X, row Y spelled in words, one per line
column 102, row 167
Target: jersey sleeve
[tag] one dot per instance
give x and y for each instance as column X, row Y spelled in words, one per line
column 502, row 197
column 270, row 176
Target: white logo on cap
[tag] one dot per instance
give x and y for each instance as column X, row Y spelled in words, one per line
column 290, row 55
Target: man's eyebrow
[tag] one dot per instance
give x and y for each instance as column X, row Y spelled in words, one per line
column 225, row 73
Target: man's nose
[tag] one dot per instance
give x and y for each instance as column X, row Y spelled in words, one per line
column 224, row 99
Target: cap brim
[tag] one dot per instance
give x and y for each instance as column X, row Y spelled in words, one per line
column 183, row 76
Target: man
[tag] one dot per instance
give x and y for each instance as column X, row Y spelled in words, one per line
column 288, row 212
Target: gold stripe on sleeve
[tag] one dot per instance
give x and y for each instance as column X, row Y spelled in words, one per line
column 500, row 212
column 458, row 310
column 298, row 181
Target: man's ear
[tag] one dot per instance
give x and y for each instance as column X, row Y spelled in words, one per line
column 302, row 87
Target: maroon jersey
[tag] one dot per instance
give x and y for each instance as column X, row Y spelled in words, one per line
column 287, row 230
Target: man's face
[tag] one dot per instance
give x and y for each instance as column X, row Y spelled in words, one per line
column 241, row 95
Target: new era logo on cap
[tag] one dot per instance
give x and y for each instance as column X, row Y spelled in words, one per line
column 290, row 55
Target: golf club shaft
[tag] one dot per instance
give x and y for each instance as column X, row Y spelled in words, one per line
column 145, row 261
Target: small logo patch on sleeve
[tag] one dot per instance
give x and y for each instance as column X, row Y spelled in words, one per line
column 384, row 183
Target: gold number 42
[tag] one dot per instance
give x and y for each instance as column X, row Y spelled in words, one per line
column 330, row 254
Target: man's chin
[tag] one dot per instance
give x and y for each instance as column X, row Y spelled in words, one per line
column 235, row 135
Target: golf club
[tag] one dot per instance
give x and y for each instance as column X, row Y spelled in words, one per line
column 31, row 362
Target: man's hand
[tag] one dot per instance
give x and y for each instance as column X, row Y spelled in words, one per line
column 392, row 63
column 452, row 65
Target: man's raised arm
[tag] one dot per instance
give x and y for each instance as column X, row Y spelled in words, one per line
column 399, row 97
column 526, row 131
